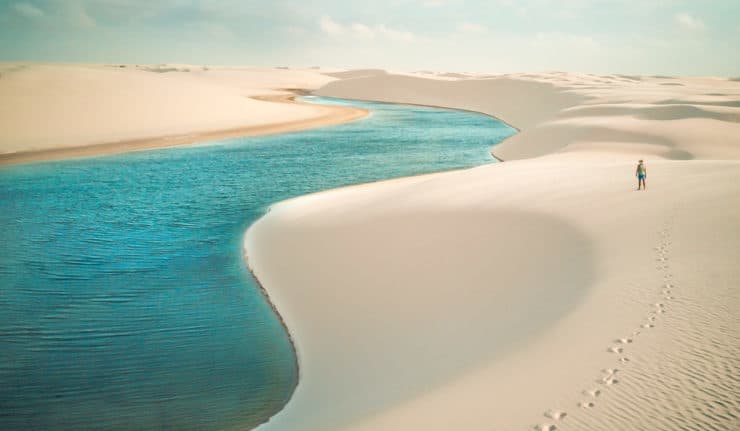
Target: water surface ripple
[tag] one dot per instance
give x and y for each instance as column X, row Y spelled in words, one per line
column 124, row 300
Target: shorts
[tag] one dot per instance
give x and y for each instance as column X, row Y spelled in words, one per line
column 641, row 177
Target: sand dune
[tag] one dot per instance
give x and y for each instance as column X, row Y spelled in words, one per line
column 661, row 112
column 73, row 110
column 537, row 104
column 518, row 102
column 532, row 294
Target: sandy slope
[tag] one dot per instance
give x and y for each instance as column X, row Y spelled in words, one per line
column 50, row 111
column 539, row 293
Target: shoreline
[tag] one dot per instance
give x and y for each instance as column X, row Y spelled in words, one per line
column 426, row 105
column 245, row 250
column 280, row 317
column 422, row 176
column 333, row 115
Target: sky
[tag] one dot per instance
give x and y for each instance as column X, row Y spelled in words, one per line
column 672, row 37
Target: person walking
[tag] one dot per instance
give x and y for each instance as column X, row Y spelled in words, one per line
column 641, row 173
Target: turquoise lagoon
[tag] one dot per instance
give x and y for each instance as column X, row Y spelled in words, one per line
column 125, row 303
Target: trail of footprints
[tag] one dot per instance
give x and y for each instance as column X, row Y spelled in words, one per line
column 609, row 375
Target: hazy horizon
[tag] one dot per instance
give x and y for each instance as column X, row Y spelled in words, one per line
column 677, row 37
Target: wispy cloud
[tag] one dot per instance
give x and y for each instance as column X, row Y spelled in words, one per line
column 78, row 15
column 689, row 22
column 433, row 3
column 564, row 41
column 394, row 34
column 330, row 27
column 28, row 10
column 469, row 27
column 360, row 30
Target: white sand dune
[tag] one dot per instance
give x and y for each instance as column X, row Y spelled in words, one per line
column 89, row 109
column 533, row 294
column 539, row 293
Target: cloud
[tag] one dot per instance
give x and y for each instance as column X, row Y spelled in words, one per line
column 469, row 27
column 689, row 22
column 77, row 14
column 393, row 34
column 557, row 41
column 364, row 31
column 330, row 27
column 28, row 10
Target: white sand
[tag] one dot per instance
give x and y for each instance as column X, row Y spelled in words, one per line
column 88, row 109
column 539, row 293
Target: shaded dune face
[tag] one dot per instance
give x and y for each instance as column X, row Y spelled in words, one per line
column 452, row 310
column 559, row 136
column 654, row 112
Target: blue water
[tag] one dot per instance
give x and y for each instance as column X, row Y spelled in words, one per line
column 125, row 303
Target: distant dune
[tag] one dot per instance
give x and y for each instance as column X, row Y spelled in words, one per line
column 360, row 73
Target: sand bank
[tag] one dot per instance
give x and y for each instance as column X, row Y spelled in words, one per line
column 59, row 111
column 539, row 293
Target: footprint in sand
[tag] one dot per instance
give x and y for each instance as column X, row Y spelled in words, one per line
column 586, row 404
column 623, row 340
column 610, row 380
column 592, row 393
column 614, row 349
column 545, row 427
column 610, row 377
column 555, row 414
column 624, row 359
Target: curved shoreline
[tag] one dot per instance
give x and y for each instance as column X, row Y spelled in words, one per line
column 281, row 319
column 518, row 130
column 259, row 283
column 333, row 115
